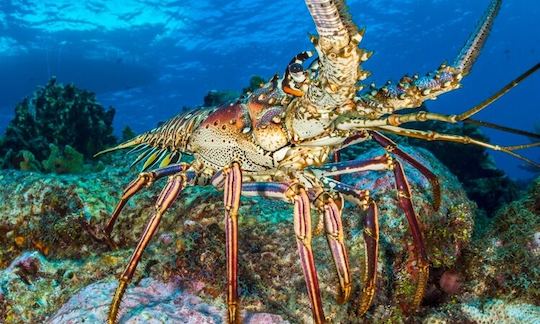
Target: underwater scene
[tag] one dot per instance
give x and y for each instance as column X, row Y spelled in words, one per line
column 249, row 161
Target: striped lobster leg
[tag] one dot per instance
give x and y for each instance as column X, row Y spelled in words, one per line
column 331, row 206
column 391, row 147
column 168, row 195
column 371, row 228
column 296, row 194
column 144, row 179
column 362, row 199
column 232, row 191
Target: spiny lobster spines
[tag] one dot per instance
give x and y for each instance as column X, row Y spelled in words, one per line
column 332, row 19
column 339, row 56
column 411, row 92
column 164, row 144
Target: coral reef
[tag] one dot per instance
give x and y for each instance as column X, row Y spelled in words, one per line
column 66, row 161
column 57, row 114
column 57, row 215
column 485, row 312
column 255, row 82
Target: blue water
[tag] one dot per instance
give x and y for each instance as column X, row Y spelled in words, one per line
column 149, row 58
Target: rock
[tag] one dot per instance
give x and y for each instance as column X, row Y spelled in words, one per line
column 150, row 301
column 504, row 261
column 59, row 215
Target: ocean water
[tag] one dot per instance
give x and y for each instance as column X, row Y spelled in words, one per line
column 474, row 247
column 150, row 58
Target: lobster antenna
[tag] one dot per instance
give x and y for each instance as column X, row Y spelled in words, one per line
column 501, row 128
column 498, row 94
column 476, row 41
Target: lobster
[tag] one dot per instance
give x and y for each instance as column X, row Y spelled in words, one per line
column 282, row 141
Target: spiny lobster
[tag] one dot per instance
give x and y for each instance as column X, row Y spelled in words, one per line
column 276, row 142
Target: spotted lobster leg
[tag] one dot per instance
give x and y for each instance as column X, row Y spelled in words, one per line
column 168, row 195
column 384, row 162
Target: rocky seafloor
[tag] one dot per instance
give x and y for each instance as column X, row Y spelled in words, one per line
column 52, row 269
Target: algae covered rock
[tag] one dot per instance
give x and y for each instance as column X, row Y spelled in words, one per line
column 61, row 115
column 67, row 160
column 504, row 262
column 58, row 215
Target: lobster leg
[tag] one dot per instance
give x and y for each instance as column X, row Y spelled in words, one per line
column 371, row 222
column 371, row 239
column 303, row 230
column 371, row 245
column 144, row 179
column 391, row 146
column 332, row 210
column 166, row 198
column 404, row 198
column 232, row 192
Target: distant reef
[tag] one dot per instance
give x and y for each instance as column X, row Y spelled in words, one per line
column 56, row 130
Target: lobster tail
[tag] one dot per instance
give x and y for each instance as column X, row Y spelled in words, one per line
column 476, row 41
column 165, row 144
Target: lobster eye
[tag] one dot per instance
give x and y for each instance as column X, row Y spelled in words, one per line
column 296, row 67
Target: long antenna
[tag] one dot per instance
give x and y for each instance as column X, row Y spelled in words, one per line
column 501, row 128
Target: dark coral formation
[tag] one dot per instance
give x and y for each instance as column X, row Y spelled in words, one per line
column 217, row 98
column 63, row 115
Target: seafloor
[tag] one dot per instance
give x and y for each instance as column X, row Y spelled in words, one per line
column 53, row 270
